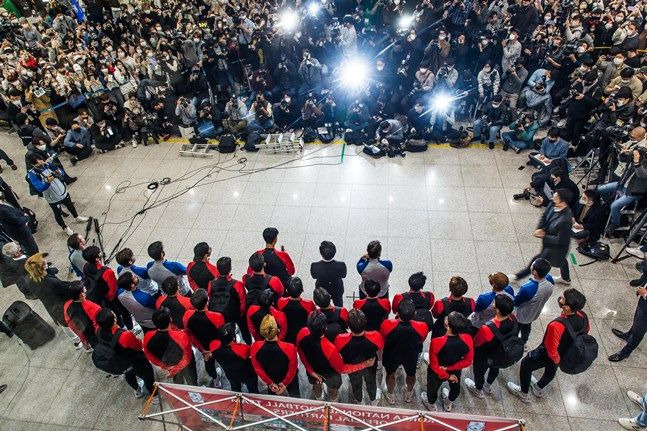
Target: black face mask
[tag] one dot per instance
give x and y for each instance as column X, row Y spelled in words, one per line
column 552, row 141
column 559, row 304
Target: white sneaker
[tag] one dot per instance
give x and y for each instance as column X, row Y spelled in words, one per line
column 134, row 143
column 526, row 348
column 217, row 382
column 635, row 251
column 560, row 280
column 316, row 398
column 68, row 231
column 513, row 279
column 447, row 405
column 425, row 357
column 390, row 397
column 515, row 390
column 78, row 345
column 140, row 391
column 137, row 329
column 82, row 219
column 378, row 396
column 425, row 402
column 635, row 398
column 630, row 424
column 408, row 395
column 536, row 390
column 487, row 388
column 471, row 386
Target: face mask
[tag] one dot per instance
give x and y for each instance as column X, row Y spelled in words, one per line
column 418, row 109
column 512, row 37
column 608, row 25
column 423, row 70
column 618, row 61
column 487, row 70
column 496, row 105
column 619, row 19
column 625, row 81
column 396, row 2
column 41, row 147
column 581, row 50
column 158, row 28
column 380, row 68
column 583, row 201
column 552, row 141
column 621, row 103
column 548, row 17
column 287, row 99
column 441, row 37
column 76, row 129
column 484, row 42
column 559, row 304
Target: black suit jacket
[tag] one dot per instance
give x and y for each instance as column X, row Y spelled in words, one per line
column 593, row 221
column 329, row 275
column 14, row 222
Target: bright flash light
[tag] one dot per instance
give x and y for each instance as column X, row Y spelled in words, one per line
column 354, row 74
column 313, row 8
column 441, row 102
column 288, row 20
column 405, row 22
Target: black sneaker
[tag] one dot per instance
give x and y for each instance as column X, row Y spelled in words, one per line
column 637, row 282
column 490, row 145
column 505, row 147
column 618, row 333
column 74, row 160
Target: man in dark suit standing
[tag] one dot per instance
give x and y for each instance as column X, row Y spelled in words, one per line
column 14, row 223
column 635, row 334
column 329, row 273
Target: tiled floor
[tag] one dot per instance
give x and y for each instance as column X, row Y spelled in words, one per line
column 445, row 212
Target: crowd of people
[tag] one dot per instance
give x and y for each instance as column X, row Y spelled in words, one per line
column 382, row 74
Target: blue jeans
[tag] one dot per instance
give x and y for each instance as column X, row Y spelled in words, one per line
column 478, row 128
column 641, row 419
column 258, row 126
column 621, row 201
column 509, row 138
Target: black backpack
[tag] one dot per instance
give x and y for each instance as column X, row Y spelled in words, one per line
column 510, row 348
column 251, row 297
column 309, row 135
column 96, row 291
column 227, row 144
column 105, row 358
column 252, row 140
column 33, row 222
column 223, row 300
column 580, row 354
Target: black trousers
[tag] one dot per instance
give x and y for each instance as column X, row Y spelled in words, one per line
column 124, row 319
column 434, row 383
column 26, row 241
column 244, row 330
column 236, row 382
column 637, row 331
column 79, row 153
column 535, row 360
column 293, row 388
column 140, row 368
column 480, row 367
column 524, row 331
column 4, row 156
column 368, row 375
column 563, row 269
column 56, row 209
column 189, row 375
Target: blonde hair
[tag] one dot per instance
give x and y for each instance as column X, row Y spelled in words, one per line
column 269, row 329
column 35, row 267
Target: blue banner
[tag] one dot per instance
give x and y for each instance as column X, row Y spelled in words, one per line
column 78, row 10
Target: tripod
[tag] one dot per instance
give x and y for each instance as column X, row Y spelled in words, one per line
column 637, row 225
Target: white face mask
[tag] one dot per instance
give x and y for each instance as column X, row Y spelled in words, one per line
column 583, row 201
column 621, row 103
column 581, row 50
column 287, row 99
column 618, row 61
column 512, row 37
column 441, row 37
column 41, row 147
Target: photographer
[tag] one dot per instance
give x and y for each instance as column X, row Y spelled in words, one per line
column 419, row 119
column 424, row 81
column 78, row 143
column 311, row 74
column 515, row 76
column 285, row 78
column 626, row 79
column 390, row 135
column 133, row 120
column 261, row 82
column 511, row 51
column 494, row 116
column 187, row 117
column 536, row 95
column 488, row 82
column 521, row 135
column 584, row 98
column 286, row 113
column 525, row 19
column 45, row 177
column 357, row 117
column 261, row 113
column 447, row 75
column 311, row 113
column 105, row 136
column 209, row 120
column 442, row 125
column 236, row 113
column 629, row 189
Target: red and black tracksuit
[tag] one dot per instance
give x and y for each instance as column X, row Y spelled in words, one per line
column 255, row 315
column 177, row 305
column 448, row 355
column 401, row 341
column 376, row 311
column 256, row 283
column 200, row 274
column 202, row 328
column 443, row 307
column 276, row 362
column 236, row 363
column 277, row 263
column 106, row 283
column 296, row 312
column 319, row 355
column 171, row 351
column 548, row 354
column 81, row 318
column 355, row 349
column 336, row 321
column 130, row 350
column 485, row 346
column 423, row 301
column 235, row 311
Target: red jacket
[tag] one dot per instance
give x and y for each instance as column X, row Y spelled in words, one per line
column 262, row 368
column 202, row 332
column 177, row 339
column 279, row 316
column 325, row 347
column 554, row 333
column 179, row 306
column 240, row 291
column 211, row 267
column 436, row 349
column 91, row 310
column 285, row 258
column 110, row 279
column 274, row 284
